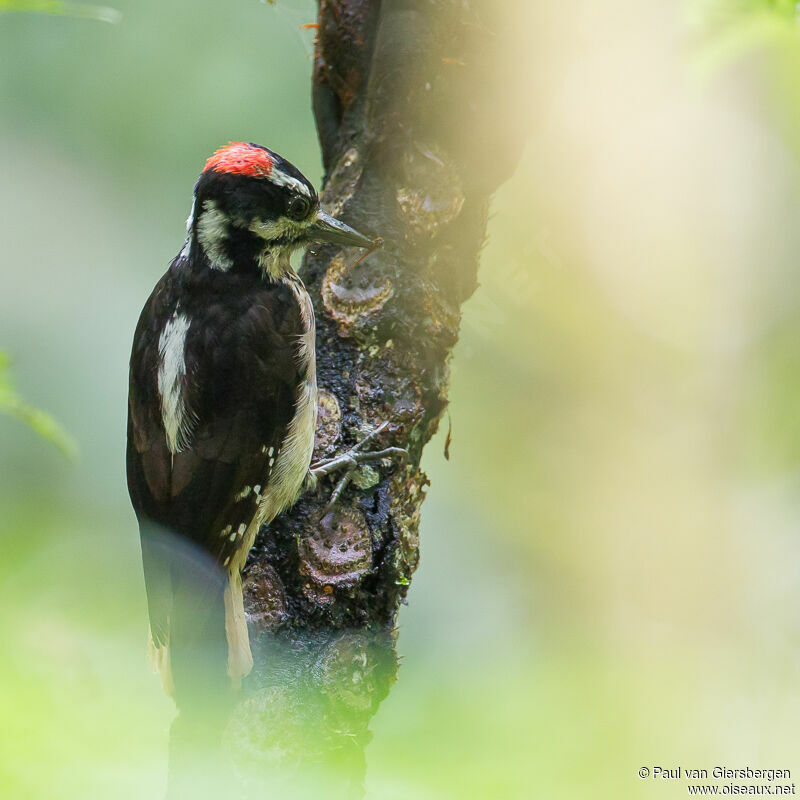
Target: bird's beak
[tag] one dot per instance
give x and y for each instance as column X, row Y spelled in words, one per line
column 328, row 229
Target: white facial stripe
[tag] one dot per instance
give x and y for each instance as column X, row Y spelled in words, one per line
column 280, row 178
column 212, row 230
column 178, row 421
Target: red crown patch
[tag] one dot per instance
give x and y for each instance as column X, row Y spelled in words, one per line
column 241, row 158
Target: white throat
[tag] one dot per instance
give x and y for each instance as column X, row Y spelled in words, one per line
column 276, row 262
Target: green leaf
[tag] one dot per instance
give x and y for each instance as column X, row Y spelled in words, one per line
column 12, row 404
column 62, row 9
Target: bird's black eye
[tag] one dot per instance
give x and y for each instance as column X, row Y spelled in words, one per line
column 298, row 207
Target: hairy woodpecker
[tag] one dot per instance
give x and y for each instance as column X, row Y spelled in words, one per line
column 223, row 394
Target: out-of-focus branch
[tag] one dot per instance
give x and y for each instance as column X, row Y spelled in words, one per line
column 62, row 9
column 12, row 404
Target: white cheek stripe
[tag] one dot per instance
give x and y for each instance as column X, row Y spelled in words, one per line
column 178, row 420
column 212, row 231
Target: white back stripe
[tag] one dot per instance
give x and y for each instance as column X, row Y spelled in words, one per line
column 171, row 371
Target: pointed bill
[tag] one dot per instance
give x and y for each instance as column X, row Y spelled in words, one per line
column 328, row 229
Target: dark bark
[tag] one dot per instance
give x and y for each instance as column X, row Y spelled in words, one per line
column 406, row 97
column 409, row 100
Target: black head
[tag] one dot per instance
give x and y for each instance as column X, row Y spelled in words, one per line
column 253, row 207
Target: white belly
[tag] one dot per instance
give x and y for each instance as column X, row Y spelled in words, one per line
column 292, row 460
column 294, row 457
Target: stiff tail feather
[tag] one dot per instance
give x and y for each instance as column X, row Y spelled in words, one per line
column 186, row 592
column 198, row 632
column 240, row 659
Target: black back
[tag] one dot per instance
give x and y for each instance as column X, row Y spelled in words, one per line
column 240, row 387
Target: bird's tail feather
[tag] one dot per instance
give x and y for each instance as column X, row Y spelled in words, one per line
column 198, row 632
column 240, row 659
column 197, row 643
column 186, row 592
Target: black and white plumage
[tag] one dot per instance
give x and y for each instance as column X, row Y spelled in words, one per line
column 223, row 395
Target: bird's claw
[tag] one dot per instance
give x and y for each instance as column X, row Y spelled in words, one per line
column 349, row 462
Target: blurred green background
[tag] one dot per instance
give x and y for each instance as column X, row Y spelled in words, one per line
column 610, row 572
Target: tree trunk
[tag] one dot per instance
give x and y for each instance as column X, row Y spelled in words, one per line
column 408, row 98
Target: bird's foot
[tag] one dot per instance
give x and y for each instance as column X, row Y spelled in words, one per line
column 349, row 461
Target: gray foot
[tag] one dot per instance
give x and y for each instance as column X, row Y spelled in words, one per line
column 349, row 462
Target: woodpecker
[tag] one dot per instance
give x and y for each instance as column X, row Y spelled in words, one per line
column 222, row 400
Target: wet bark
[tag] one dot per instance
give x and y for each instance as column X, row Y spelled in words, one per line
column 409, row 99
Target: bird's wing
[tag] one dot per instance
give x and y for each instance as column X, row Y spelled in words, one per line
column 247, row 379
column 242, row 374
column 148, row 463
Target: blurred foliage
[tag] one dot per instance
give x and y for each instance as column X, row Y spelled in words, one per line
column 11, row 403
column 609, row 573
column 734, row 28
column 100, row 13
